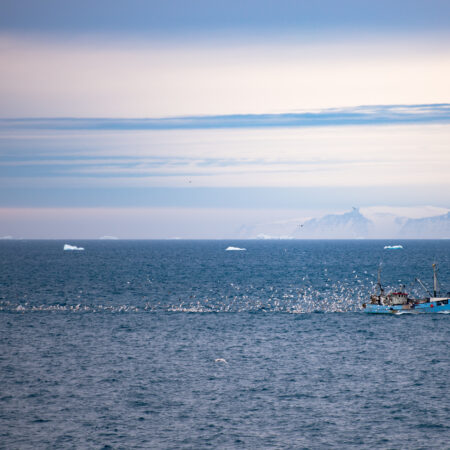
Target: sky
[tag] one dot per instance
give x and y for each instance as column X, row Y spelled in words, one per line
column 144, row 119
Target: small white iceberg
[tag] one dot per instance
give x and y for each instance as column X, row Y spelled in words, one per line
column 72, row 247
column 393, row 247
column 235, row 249
column 221, row 360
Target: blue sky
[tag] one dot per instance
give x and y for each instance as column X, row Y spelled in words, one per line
column 195, row 118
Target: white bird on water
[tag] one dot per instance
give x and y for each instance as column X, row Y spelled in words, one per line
column 221, row 360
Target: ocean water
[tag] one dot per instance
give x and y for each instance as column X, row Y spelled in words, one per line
column 181, row 344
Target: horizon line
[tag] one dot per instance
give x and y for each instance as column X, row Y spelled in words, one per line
column 8, row 239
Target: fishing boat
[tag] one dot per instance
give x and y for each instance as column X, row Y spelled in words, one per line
column 400, row 302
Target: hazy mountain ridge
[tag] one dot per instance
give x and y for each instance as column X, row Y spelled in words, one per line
column 437, row 227
column 337, row 226
column 355, row 224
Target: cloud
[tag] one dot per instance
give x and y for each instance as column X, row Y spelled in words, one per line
column 150, row 78
column 179, row 18
column 408, row 155
column 361, row 115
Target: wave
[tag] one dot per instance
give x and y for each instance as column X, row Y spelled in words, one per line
column 235, row 249
column 393, row 247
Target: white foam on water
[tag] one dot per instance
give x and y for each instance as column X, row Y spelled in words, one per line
column 235, row 249
column 393, row 247
column 72, row 247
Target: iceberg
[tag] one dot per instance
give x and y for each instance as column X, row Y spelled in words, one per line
column 393, row 247
column 235, row 249
column 72, row 247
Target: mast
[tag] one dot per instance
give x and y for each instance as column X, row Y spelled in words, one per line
column 379, row 281
column 435, row 280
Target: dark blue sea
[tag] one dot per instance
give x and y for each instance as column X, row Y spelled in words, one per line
column 184, row 345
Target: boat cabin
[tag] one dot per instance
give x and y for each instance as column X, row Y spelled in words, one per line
column 394, row 298
column 397, row 298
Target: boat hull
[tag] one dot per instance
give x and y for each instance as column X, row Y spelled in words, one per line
column 438, row 306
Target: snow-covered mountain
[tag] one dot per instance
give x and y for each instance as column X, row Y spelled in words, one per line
column 370, row 223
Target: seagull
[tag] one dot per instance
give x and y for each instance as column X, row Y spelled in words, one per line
column 220, row 360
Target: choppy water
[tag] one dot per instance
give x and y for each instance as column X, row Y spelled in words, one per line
column 111, row 347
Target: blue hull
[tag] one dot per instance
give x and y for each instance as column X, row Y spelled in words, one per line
column 438, row 306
